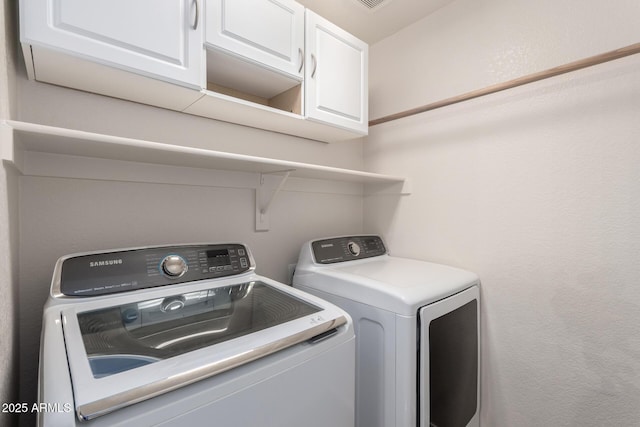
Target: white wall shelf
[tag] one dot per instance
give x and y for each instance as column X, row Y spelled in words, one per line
column 41, row 150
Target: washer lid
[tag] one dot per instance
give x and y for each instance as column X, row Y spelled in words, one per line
column 395, row 284
column 121, row 352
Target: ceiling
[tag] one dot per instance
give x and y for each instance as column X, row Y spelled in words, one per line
column 373, row 24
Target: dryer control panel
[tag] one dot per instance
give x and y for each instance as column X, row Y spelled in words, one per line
column 131, row 269
column 348, row 248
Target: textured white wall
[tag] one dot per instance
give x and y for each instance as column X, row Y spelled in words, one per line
column 8, row 225
column 469, row 45
column 536, row 189
column 9, row 288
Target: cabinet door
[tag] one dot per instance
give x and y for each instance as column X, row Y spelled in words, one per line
column 336, row 75
column 159, row 38
column 268, row 32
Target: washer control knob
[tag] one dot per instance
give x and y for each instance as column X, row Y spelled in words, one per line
column 354, row 248
column 174, row 266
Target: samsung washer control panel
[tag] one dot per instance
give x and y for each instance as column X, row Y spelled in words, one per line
column 130, row 269
column 348, row 248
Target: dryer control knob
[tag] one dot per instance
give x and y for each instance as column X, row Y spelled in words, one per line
column 354, row 248
column 174, row 266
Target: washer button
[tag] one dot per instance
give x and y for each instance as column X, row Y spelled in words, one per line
column 172, row 303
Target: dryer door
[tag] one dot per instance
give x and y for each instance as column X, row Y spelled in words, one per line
column 449, row 361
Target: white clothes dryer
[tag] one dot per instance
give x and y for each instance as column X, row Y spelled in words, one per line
column 417, row 331
column 189, row 335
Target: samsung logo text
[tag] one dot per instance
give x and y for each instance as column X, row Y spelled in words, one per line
column 105, row 263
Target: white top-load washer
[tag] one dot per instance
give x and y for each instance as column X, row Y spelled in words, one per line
column 417, row 331
column 189, row 335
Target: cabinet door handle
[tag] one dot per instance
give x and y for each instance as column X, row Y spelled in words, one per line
column 301, row 55
column 197, row 17
column 315, row 65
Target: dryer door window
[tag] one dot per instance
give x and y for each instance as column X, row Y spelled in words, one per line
column 449, row 365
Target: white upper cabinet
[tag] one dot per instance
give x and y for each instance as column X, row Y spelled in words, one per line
column 158, row 38
column 268, row 64
column 336, row 76
column 267, row 32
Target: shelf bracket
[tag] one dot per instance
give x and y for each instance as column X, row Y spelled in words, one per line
column 267, row 190
column 10, row 150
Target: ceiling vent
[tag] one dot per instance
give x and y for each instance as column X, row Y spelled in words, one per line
column 372, row 4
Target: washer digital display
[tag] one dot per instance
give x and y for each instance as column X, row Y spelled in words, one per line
column 218, row 257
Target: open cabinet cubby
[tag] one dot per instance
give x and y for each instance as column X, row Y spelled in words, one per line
column 239, row 78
